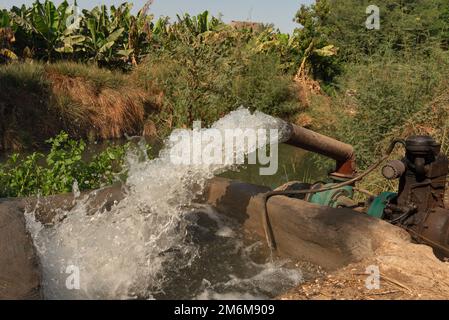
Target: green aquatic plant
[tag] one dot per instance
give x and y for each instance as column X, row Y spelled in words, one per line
column 56, row 172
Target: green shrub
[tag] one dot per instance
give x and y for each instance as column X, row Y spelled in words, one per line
column 204, row 77
column 262, row 86
column 381, row 95
column 59, row 169
column 405, row 26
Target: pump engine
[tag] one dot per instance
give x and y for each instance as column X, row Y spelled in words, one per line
column 421, row 203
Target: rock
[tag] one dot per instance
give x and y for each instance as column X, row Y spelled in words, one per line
column 20, row 274
column 19, row 268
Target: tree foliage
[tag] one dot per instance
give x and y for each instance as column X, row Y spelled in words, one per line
column 405, row 25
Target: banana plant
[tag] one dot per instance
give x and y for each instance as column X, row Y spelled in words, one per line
column 71, row 43
column 107, row 36
column 6, row 38
column 283, row 45
column 45, row 21
column 102, row 34
column 5, row 20
column 139, row 35
column 204, row 22
column 199, row 24
column 72, row 40
column 122, row 17
column 161, row 26
column 327, row 51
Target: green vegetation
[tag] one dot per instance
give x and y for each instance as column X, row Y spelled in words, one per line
column 392, row 81
column 118, row 73
column 194, row 68
column 406, row 26
column 115, row 38
column 397, row 91
column 59, row 169
column 49, row 32
column 207, row 75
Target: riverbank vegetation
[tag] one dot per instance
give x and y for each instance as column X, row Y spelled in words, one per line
column 110, row 73
column 39, row 100
column 63, row 169
column 174, row 73
column 393, row 82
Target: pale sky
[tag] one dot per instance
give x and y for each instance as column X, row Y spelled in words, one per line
column 280, row 12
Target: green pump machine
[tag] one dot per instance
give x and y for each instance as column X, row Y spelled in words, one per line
column 421, row 203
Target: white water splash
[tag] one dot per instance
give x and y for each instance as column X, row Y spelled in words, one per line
column 76, row 190
column 242, row 278
column 123, row 253
column 273, row 277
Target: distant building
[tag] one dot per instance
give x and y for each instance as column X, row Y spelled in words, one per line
column 254, row 26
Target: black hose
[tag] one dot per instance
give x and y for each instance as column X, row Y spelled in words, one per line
column 265, row 218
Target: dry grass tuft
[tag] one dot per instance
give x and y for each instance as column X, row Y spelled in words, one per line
column 38, row 101
column 106, row 113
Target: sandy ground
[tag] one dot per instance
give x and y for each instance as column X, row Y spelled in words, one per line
column 407, row 271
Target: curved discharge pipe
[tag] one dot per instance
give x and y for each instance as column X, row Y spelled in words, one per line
column 342, row 153
column 331, row 153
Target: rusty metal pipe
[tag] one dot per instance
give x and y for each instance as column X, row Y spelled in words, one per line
column 342, row 153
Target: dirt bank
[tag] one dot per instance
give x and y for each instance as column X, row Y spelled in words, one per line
column 407, row 271
column 38, row 101
column 19, row 267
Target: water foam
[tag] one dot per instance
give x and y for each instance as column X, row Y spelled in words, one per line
column 123, row 253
